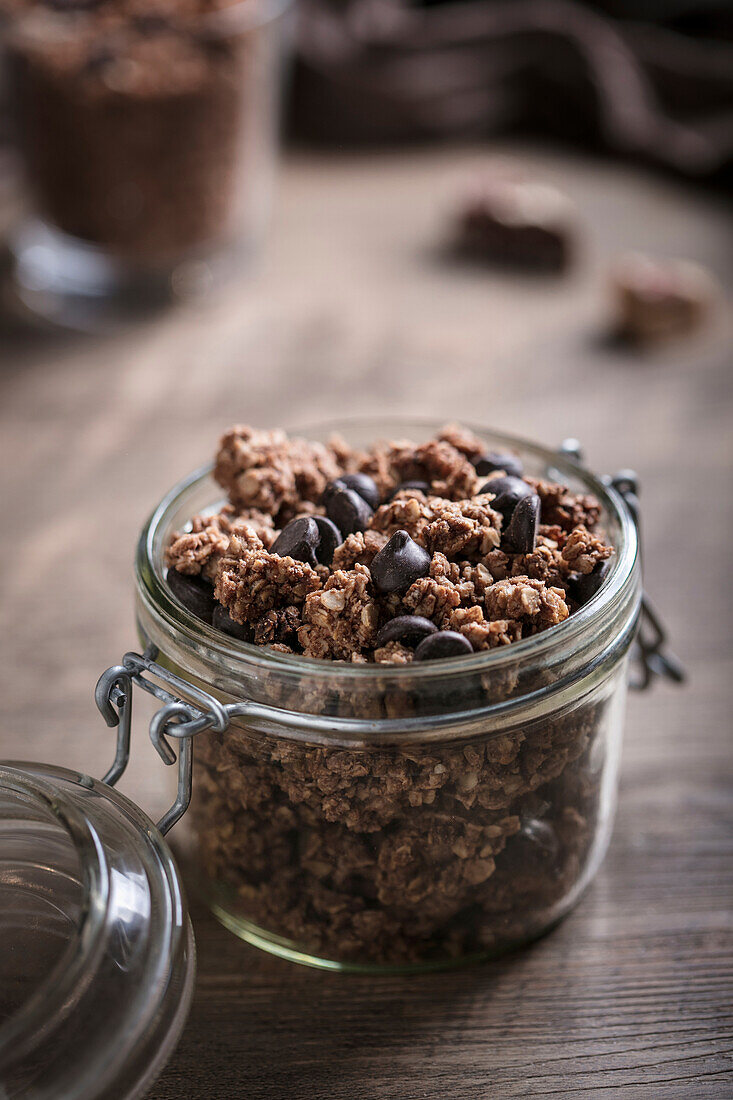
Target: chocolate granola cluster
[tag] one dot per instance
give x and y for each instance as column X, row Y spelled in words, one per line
column 397, row 554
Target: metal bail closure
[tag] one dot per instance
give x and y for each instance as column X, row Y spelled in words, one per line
column 650, row 653
column 178, row 718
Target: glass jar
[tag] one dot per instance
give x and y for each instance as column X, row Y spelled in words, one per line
column 96, row 950
column 384, row 816
column 148, row 143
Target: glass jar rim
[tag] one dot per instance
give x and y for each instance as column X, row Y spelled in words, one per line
column 152, row 584
column 78, row 956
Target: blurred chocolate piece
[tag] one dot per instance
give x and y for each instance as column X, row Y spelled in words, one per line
column 659, row 299
column 511, row 464
column 516, row 223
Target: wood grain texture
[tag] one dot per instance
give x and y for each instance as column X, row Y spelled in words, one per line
column 353, row 312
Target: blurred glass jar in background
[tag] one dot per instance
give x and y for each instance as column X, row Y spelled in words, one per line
column 148, row 135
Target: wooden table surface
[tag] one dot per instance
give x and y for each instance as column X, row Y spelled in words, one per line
column 353, row 312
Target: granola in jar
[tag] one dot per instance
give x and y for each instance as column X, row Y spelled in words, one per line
column 390, row 558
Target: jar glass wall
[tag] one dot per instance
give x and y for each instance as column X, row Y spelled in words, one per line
column 148, row 144
column 415, row 815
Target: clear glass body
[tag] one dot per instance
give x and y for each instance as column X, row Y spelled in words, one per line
column 403, row 816
column 148, row 145
column 96, row 950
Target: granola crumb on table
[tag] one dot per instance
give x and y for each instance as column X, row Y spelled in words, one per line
column 393, row 854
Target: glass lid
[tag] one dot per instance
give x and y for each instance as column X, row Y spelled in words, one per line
column 97, row 955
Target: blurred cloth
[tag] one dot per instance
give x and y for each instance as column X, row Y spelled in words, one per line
column 652, row 81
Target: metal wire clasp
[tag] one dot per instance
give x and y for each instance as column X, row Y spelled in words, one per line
column 650, row 655
column 180, row 718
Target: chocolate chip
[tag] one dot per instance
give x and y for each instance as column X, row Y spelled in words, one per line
column 445, row 643
column 362, row 484
column 537, row 843
column 196, row 594
column 330, row 538
column 299, row 540
column 400, row 562
column 583, row 586
column 223, row 621
column 409, row 629
column 344, row 507
column 508, row 492
column 423, row 486
column 521, row 534
column 499, row 460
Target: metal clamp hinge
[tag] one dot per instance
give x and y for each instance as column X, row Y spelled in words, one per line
column 650, row 655
column 178, row 718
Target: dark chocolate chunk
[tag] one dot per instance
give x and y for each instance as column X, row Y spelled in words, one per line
column 223, row 621
column 499, row 460
column 423, row 486
column 583, row 586
column 330, row 538
column 445, row 643
column 362, row 484
column 518, row 224
column 299, row 540
column 344, row 507
column 508, row 491
column 399, row 563
column 196, row 594
column 408, row 629
column 521, row 534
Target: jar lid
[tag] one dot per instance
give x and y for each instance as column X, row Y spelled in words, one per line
column 97, row 955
